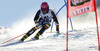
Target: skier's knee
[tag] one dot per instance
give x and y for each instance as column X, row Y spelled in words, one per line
column 47, row 25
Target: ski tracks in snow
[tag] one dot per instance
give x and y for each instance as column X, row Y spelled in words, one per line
column 50, row 43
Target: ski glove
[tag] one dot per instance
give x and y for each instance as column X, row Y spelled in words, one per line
column 36, row 22
column 57, row 29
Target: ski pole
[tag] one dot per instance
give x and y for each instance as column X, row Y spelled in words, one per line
column 13, row 38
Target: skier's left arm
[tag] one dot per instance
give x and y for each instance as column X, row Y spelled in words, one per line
column 56, row 21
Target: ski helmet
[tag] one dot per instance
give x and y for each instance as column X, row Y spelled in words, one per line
column 44, row 6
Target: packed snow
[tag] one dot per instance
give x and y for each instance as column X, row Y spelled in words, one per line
column 79, row 40
column 49, row 43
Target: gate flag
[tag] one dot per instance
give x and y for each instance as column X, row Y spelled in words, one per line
column 77, row 7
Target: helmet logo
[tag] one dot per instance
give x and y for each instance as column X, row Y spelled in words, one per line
column 44, row 6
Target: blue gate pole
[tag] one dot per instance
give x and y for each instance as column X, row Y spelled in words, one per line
column 71, row 23
column 69, row 18
column 57, row 14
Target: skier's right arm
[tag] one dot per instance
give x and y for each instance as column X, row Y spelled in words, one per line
column 36, row 17
column 56, row 22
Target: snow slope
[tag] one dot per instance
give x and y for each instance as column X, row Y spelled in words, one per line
column 49, row 43
column 39, row 45
column 83, row 40
column 79, row 40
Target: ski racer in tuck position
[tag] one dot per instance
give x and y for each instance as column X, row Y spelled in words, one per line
column 42, row 20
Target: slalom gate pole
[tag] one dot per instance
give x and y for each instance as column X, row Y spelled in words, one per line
column 67, row 7
column 67, row 24
column 97, row 25
column 57, row 14
column 13, row 38
column 69, row 18
column 71, row 23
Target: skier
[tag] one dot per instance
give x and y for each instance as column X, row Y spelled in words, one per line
column 42, row 20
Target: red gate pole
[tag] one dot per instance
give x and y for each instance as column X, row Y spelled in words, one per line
column 13, row 38
column 67, row 26
column 97, row 24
